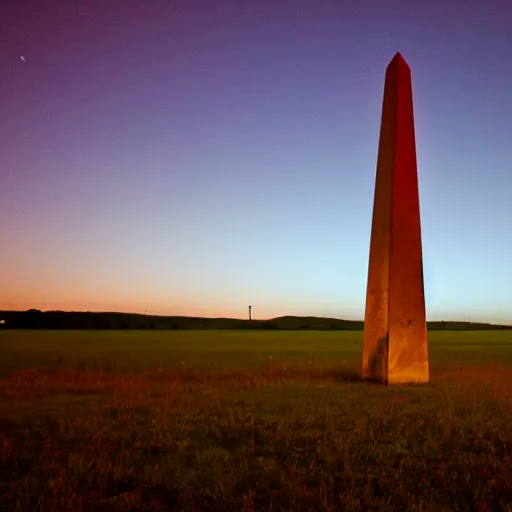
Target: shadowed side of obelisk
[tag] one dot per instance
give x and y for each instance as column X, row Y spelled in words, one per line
column 394, row 346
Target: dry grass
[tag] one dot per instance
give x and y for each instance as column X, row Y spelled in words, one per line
column 284, row 435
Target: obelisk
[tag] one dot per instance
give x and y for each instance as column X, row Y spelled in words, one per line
column 395, row 333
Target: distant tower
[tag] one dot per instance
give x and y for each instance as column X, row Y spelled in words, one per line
column 250, row 315
column 395, row 333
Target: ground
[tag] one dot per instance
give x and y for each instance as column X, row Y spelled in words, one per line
column 225, row 420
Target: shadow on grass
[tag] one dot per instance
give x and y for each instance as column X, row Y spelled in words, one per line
column 344, row 375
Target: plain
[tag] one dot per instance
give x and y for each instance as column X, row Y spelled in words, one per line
column 248, row 420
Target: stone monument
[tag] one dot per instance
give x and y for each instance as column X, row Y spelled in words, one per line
column 395, row 333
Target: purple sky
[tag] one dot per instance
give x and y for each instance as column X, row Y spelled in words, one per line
column 195, row 157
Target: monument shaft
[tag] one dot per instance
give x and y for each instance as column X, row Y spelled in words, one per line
column 395, row 334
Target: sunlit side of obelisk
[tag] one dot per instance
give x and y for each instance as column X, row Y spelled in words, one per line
column 395, row 335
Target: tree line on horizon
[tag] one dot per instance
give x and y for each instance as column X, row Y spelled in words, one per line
column 69, row 320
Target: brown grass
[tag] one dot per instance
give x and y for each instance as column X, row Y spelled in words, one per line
column 274, row 440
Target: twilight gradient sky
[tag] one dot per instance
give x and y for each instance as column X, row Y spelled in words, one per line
column 196, row 156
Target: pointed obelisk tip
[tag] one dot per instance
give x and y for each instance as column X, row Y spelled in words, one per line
column 398, row 59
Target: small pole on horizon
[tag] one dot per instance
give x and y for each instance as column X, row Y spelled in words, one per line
column 250, row 314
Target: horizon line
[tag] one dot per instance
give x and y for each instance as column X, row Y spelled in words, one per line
column 232, row 318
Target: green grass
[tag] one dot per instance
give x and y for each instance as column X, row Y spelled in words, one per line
column 242, row 420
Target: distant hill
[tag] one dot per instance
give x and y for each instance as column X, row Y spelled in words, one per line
column 35, row 319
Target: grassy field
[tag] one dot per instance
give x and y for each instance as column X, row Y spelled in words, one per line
column 225, row 420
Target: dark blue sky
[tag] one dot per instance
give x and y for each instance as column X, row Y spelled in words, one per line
column 194, row 157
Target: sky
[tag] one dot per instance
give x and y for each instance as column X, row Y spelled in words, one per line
column 194, row 157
